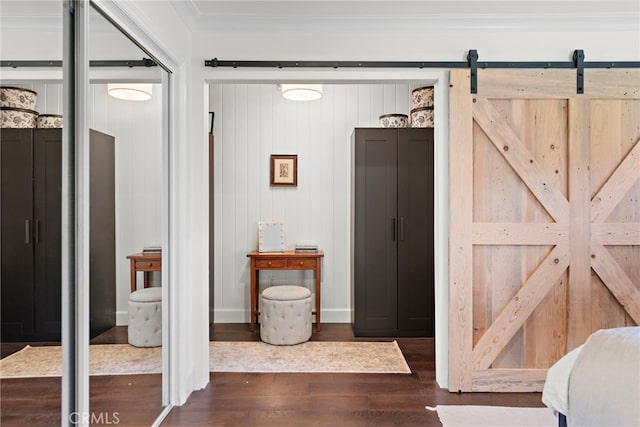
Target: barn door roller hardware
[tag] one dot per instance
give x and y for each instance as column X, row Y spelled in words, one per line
column 472, row 63
column 578, row 60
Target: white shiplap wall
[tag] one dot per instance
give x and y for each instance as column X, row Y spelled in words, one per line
column 253, row 121
column 136, row 127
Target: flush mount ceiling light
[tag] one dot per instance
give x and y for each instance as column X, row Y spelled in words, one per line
column 301, row 92
column 130, row 91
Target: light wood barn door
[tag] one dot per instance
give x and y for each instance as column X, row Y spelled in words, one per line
column 545, row 220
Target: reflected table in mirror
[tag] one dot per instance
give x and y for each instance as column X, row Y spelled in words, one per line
column 145, row 262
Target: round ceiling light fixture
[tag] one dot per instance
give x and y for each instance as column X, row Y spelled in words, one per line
column 301, row 92
column 130, row 91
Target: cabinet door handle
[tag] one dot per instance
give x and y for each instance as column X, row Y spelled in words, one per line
column 37, row 231
column 27, row 232
column 393, row 228
column 402, row 229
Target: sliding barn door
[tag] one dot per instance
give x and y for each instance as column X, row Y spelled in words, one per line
column 545, row 220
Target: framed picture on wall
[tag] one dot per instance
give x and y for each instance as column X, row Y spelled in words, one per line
column 284, row 170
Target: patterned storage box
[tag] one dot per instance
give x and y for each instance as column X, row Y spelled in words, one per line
column 394, row 120
column 17, row 118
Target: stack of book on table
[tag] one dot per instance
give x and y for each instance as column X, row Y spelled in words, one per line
column 153, row 249
column 300, row 248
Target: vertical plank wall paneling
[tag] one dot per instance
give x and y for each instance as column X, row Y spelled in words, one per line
column 136, row 127
column 253, row 121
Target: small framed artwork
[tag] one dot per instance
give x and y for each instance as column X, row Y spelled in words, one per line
column 284, row 170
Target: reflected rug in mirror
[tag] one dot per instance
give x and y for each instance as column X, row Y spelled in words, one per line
column 494, row 416
column 104, row 359
column 224, row 356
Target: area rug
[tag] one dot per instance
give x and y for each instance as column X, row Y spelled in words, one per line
column 104, row 359
column 494, row 416
column 123, row 359
column 311, row 356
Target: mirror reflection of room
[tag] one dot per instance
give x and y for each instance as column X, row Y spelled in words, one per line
column 126, row 104
column 125, row 171
column 30, row 199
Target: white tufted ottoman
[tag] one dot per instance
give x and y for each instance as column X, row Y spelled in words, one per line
column 145, row 317
column 285, row 315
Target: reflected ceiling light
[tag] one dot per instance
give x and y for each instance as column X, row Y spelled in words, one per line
column 301, row 92
column 130, row 91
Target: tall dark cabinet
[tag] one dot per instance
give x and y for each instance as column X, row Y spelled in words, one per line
column 392, row 291
column 30, row 275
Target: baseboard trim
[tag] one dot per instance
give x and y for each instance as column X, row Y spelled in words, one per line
column 122, row 318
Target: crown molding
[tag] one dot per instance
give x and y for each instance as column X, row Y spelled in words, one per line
column 440, row 22
column 435, row 22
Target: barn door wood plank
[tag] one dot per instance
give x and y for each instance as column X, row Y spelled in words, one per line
column 509, row 380
column 522, row 162
column 520, row 307
column 617, row 281
column 460, row 246
column 617, row 186
column 615, row 233
column 555, row 83
column 544, row 331
column 579, row 320
column 617, row 83
column 523, row 83
column 517, row 233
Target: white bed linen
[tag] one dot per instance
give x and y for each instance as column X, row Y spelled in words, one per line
column 598, row 383
column 555, row 393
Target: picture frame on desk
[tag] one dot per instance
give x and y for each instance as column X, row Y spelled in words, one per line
column 284, row 170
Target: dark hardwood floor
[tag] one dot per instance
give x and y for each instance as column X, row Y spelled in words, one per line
column 243, row 399
column 337, row 400
column 126, row 400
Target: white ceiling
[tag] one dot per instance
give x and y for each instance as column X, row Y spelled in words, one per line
column 212, row 8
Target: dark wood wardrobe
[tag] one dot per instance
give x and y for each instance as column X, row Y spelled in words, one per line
column 392, row 292
column 30, row 276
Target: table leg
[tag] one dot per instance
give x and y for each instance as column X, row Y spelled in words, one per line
column 318, row 281
column 252, row 292
column 133, row 275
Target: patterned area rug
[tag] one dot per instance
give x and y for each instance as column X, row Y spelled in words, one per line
column 112, row 359
column 313, row 356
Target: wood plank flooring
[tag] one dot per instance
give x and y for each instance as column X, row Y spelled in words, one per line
column 131, row 400
column 337, row 400
column 244, row 399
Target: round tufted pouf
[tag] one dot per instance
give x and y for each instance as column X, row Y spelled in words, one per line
column 285, row 315
column 145, row 317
